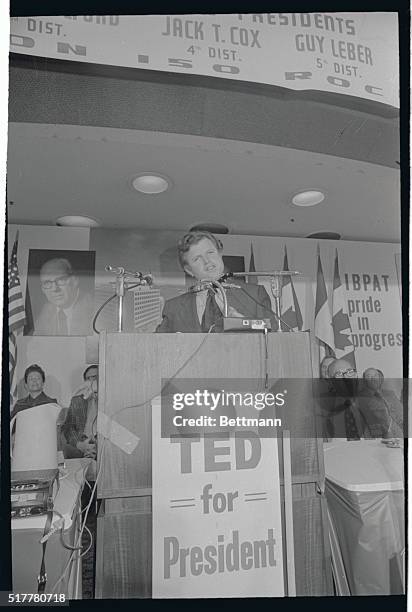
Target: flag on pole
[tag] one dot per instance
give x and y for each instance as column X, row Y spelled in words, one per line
column 323, row 317
column 16, row 317
column 291, row 313
column 342, row 330
column 252, row 268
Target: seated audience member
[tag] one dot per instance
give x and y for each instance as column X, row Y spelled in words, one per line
column 324, row 367
column 200, row 255
column 347, row 421
column 34, row 379
column 325, row 399
column 80, row 427
column 381, row 410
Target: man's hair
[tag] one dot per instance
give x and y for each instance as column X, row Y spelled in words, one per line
column 380, row 374
column 59, row 261
column 191, row 238
column 327, row 358
column 89, row 368
column 341, row 361
column 34, row 368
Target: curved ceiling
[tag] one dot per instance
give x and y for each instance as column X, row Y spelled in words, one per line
column 56, row 170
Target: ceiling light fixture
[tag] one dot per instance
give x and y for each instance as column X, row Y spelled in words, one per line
column 213, row 228
column 151, row 183
column 77, row 221
column 308, row 198
column 325, row 235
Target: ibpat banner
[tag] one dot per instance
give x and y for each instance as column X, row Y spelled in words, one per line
column 350, row 53
column 216, row 515
column 373, row 305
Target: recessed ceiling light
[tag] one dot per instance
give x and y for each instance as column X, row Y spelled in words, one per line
column 151, row 183
column 213, row 228
column 308, row 198
column 325, row 235
column 77, row 221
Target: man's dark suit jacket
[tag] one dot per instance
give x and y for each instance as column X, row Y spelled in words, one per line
column 81, row 324
column 381, row 412
column 73, row 427
column 180, row 313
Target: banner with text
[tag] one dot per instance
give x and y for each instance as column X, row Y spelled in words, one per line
column 351, row 53
column 216, row 515
column 372, row 302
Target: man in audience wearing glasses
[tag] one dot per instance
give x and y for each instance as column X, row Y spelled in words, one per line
column 382, row 410
column 80, row 427
column 79, row 431
column 68, row 310
column 347, row 420
column 324, row 395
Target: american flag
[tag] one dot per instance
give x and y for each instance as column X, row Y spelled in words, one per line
column 16, row 317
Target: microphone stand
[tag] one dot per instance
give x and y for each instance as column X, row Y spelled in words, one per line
column 122, row 284
column 276, row 287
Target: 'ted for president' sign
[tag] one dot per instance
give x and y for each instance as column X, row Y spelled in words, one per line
column 216, row 515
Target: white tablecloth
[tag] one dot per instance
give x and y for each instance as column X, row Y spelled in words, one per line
column 364, row 490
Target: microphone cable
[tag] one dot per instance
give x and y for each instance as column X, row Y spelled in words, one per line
column 82, row 527
column 105, row 304
column 281, row 321
column 184, row 364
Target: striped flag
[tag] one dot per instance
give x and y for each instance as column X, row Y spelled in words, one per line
column 340, row 320
column 16, row 317
column 252, row 279
column 323, row 318
column 291, row 313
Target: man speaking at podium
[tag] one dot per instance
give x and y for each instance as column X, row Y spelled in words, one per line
column 201, row 308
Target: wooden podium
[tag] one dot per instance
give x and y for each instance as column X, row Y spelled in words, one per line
column 133, row 368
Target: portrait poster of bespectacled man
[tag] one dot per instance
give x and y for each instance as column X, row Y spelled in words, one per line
column 60, row 293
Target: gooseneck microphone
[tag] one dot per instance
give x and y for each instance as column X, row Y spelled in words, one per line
column 146, row 279
column 123, row 284
column 201, row 286
column 115, row 269
column 215, row 286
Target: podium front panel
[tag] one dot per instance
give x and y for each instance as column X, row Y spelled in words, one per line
column 132, row 369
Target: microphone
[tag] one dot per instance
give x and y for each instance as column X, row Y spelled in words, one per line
column 226, row 285
column 146, row 279
column 225, row 276
column 211, row 284
column 115, row 269
column 201, row 286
